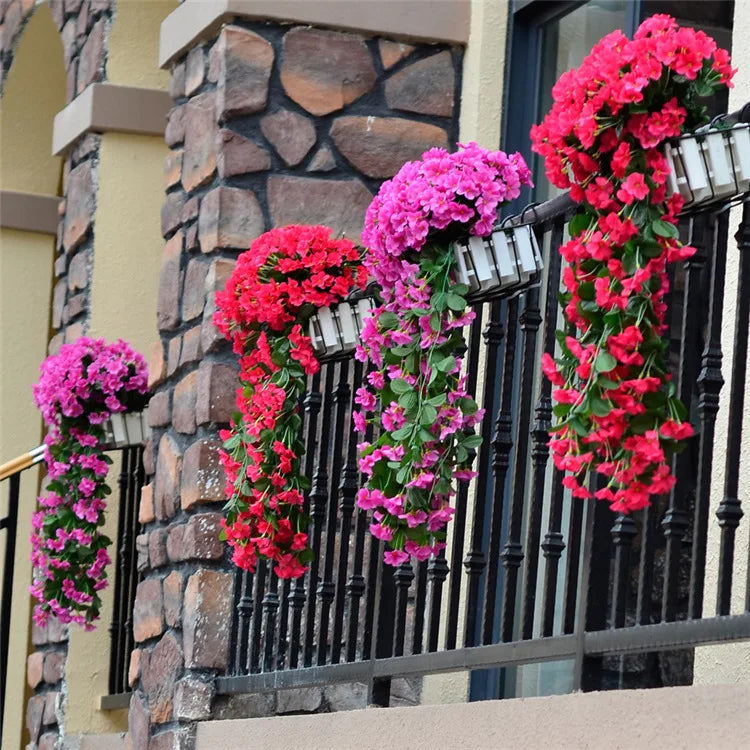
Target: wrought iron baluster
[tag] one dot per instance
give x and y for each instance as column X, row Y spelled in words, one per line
column 729, row 511
column 348, row 492
column 575, row 529
column 502, row 444
column 512, row 554
column 676, row 522
column 318, row 503
column 255, row 640
column 710, row 382
column 419, row 608
column 646, row 566
column 475, row 561
column 623, row 532
column 403, row 576
column 270, row 608
column 281, row 640
column 327, row 588
column 117, row 634
column 9, row 523
column 297, row 595
column 437, row 572
column 245, row 605
column 540, row 437
column 459, row 521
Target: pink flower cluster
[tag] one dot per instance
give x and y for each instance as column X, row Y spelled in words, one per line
column 443, row 192
column 79, row 389
column 416, row 392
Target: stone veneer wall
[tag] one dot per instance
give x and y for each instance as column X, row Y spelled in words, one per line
column 84, row 28
column 272, row 125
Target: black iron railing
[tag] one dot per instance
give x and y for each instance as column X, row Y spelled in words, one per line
column 530, row 575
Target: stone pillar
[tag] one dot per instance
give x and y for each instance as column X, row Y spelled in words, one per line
column 84, row 27
column 272, row 125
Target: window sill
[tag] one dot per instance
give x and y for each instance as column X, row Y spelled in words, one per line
column 114, row 702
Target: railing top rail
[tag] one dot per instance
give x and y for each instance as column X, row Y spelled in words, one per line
column 22, row 462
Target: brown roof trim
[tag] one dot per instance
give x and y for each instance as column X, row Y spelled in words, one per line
column 105, row 108
column 29, row 212
column 427, row 20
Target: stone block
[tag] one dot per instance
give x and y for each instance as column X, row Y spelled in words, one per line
column 173, row 355
column 183, row 413
column 80, row 205
column 194, row 289
column 393, row 52
column 379, row 146
column 217, row 383
column 323, row 71
column 242, row 63
column 139, row 722
column 345, row 696
column 157, row 366
column 34, row 668
column 174, row 132
column 291, row 134
column 167, row 484
column 172, row 168
column 177, row 82
column 203, row 476
column 91, row 59
column 306, row 700
column 191, row 346
column 426, row 86
column 134, row 667
column 51, row 702
column 168, row 294
column 236, row 154
column 159, row 412
column 172, row 591
column 146, row 505
column 157, row 547
column 192, row 699
column 159, row 677
column 141, row 549
column 148, row 610
column 250, row 706
column 229, row 218
column 171, row 212
column 54, row 666
column 206, row 619
column 194, row 70
column 34, row 713
column 199, row 159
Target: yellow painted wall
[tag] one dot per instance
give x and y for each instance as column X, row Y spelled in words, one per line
column 127, row 259
column 133, row 54
column 26, row 260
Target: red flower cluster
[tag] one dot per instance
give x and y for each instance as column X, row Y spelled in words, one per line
column 285, row 275
column 617, row 407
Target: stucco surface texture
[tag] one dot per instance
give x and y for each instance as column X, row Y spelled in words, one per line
column 715, row 717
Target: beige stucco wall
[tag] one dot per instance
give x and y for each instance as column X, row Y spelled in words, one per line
column 730, row 663
column 26, row 259
column 127, row 258
column 715, row 717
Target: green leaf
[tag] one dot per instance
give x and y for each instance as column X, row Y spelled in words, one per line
column 439, row 301
column 664, row 229
column 401, row 351
column 456, row 302
column 388, row 320
column 408, row 401
column 438, row 400
column 578, row 224
column 425, row 435
column 600, row 407
column 428, row 415
column 401, row 386
column 561, row 410
column 402, row 433
column 578, row 427
column 472, row 441
column 446, row 364
column 604, row 362
column 586, row 290
column 607, row 384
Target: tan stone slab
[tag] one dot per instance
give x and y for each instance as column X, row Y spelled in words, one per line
column 194, row 20
column 29, row 212
column 105, row 108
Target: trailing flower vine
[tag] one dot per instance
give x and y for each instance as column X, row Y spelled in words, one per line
column 416, row 393
column 78, row 391
column 617, row 409
column 279, row 282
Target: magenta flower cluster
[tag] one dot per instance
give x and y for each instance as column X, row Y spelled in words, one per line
column 416, row 395
column 79, row 389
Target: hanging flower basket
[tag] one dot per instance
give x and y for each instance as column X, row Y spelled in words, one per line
column 337, row 329
column 710, row 166
column 508, row 261
column 122, row 430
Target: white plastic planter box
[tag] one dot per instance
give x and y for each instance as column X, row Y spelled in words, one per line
column 337, row 329
column 708, row 166
column 507, row 261
column 123, row 430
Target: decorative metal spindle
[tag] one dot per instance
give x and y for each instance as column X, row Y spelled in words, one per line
column 459, row 521
column 355, row 587
column 540, row 438
column 437, row 572
column 403, row 576
column 255, row 638
column 327, row 588
column 118, row 615
column 502, row 444
column 373, row 565
column 348, row 492
column 318, row 503
column 575, row 528
column 552, row 546
column 245, row 607
column 623, row 532
column 675, row 522
column 9, row 524
column 512, row 554
column 646, row 566
column 729, row 511
column 710, row 382
column 476, row 560
column 270, row 608
column 298, row 595
column 281, row 640
column 131, row 575
column 419, row 607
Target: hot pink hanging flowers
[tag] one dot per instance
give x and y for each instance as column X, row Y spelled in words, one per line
column 416, row 392
column 79, row 389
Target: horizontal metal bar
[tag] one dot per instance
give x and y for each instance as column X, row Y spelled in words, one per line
column 114, row 701
column 668, row 635
column 499, row 654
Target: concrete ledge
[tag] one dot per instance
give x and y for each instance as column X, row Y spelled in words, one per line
column 715, row 717
column 104, row 108
column 29, row 212
column 426, row 20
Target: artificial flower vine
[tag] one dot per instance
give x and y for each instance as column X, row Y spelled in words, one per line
column 617, row 409
column 279, row 282
column 78, row 391
column 416, row 393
